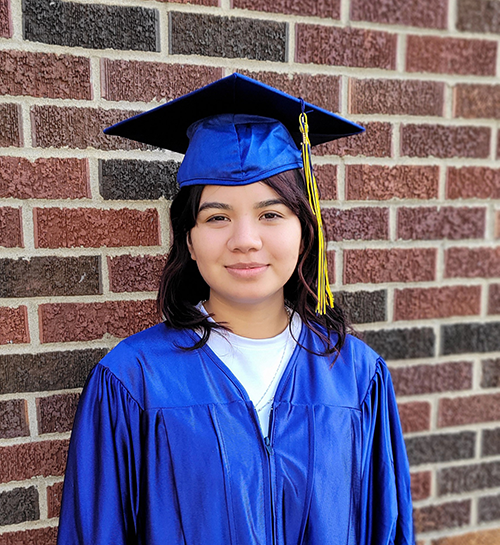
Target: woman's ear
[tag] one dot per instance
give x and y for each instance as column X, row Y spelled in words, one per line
column 190, row 245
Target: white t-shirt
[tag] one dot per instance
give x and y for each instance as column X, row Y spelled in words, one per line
column 257, row 363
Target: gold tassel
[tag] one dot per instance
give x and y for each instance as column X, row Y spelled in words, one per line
column 324, row 293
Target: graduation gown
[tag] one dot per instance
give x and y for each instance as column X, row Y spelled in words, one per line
column 167, row 450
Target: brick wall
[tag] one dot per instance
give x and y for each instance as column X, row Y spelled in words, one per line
column 410, row 207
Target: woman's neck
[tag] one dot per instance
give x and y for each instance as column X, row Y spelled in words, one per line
column 260, row 321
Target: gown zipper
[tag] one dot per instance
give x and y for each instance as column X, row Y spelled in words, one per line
column 270, row 454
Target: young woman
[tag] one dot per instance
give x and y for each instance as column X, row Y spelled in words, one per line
column 248, row 416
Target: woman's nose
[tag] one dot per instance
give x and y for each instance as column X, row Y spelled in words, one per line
column 245, row 236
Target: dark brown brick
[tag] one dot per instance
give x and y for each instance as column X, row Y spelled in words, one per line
column 473, row 183
column 92, row 228
column 44, row 178
column 38, row 536
column 478, row 16
column 418, row 13
column 396, row 97
column 5, row 19
column 311, row 8
column 464, row 410
column 427, row 449
column 445, row 222
column 66, row 322
column 14, row 325
column 488, row 508
column 27, row 460
column 56, row 413
column 10, row 125
column 490, row 373
column 13, row 419
column 322, row 90
column 346, row 46
column 469, row 338
column 484, row 537
column 426, row 379
column 356, row 223
column 472, row 262
column 326, row 177
column 402, row 344
column 50, row 275
column 477, row 101
column 363, row 307
column 44, row 75
column 74, row 127
column 145, row 81
column 47, row 370
column 466, row 478
column 427, row 303
column 380, row 183
column 446, row 515
column 420, row 485
column 229, row 37
column 54, row 497
column 445, row 55
column 415, row 416
column 445, row 141
column 19, row 505
column 490, row 442
column 195, row 2
column 376, row 141
column 494, row 299
column 396, row 265
column 11, row 231
column 135, row 273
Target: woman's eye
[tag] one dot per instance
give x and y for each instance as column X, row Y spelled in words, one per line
column 271, row 215
column 216, row 218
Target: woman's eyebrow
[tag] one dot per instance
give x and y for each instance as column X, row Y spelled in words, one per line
column 269, row 202
column 218, row 205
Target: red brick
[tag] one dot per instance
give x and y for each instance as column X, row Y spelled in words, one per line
column 38, row 536
column 356, row 223
column 418, row 13
column 476, row 101
column 473, row 183
column 346, row 46
column 468, row 410
column 92, row 228
column 27, row 460
column 484, row 537
column 146, row 81
column 478, row 16
column 310, row 8
column 446, row 222
column 494, row 299
column 330, row 260
column 13, row 419
column 135, row 273
column 195, row 2
column 66, row 322
column 472, row 262
column 54, row 496
column 451, row 55
column 11, row 231
column 446, row 515
column 376, row 141
column 426, row 379
column 318, row 89
column 44, row 178
column 326, row 177
column 14, row 325
column 380, row 183
column 427, row 303
column 44, row 75
column 56, row 413
column 74, row 127
column 396, row 265
column 445, row 141
column 396, row 97
column 420, row 485
column 5, row 19
column 415, row 416
column 10, row 125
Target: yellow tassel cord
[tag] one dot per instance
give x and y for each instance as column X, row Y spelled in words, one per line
column 325, row 296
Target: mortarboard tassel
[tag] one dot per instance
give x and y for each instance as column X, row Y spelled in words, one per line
column 325, row 296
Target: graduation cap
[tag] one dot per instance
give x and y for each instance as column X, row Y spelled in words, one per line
column 239, row 131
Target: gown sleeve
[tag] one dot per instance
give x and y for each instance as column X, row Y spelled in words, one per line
column 99, row 503
column 386, row 510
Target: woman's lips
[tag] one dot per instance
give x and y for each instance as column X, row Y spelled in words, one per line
column 246, row 270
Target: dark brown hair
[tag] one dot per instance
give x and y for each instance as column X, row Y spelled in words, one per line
column 182, row 286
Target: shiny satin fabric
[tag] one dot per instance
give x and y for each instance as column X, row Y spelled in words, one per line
column 167, row 450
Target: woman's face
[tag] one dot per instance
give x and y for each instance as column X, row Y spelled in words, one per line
column 246, row 243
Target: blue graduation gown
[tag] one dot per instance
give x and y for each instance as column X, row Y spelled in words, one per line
column 167, row 450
